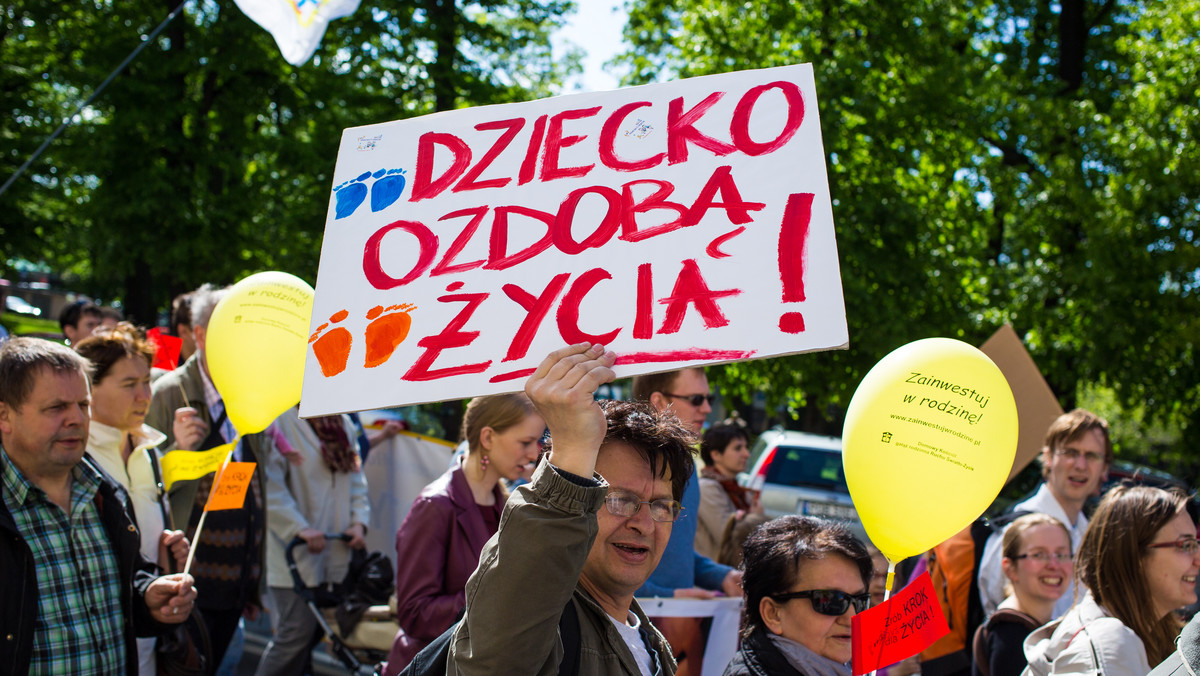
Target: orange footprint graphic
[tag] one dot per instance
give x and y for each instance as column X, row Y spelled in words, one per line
column 333, row 348
column 386, row 332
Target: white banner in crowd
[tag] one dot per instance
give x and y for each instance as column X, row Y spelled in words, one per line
column 296, row 25
column 680, row 223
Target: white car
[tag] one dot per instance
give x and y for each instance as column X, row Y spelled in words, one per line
column 801, row 473
column 20, row 306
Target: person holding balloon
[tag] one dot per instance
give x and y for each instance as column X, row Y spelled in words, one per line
column 805, row 579
column 1138, row 561
column 1038, row 564
column 229, row 554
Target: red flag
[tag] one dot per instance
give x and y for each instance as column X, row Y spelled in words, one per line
column 166, row 355
column 900, row 627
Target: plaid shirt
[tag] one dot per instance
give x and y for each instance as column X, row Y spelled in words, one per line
column 80, row 624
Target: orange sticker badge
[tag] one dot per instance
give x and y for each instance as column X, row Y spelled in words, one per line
column 229, row 491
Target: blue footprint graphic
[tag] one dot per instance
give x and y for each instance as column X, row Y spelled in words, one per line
column 384, row 192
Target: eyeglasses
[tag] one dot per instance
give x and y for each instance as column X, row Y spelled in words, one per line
column 1186, row 545
column 1073, row 454
column 1045, row 557
column 828, row 601
column 626, row 505
column 693, row 399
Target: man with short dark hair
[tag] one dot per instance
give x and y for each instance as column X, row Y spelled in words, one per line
column 181, row 325
column 1075, row 460
column 587, row 531
column 683, row 572
column 75, row 589
column 79, row 319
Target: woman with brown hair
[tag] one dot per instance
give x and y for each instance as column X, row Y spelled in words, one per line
column 124, row 446
column 1138, row 561
column 438, row 544
column 1037, row 561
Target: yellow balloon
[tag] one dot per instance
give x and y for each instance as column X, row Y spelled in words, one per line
column 929, row 440
column 255, row 346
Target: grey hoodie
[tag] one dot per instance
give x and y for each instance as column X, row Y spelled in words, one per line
column 1087, row 640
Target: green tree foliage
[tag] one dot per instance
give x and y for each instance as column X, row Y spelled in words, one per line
column 990, row 161
column 211, row 157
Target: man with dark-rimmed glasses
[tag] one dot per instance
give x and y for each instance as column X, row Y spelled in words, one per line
column 1075, row 460
column 581, row 537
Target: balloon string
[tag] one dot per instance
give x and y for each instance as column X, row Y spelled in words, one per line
column 887, row 594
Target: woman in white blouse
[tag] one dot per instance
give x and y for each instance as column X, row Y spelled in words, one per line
column 125, row 447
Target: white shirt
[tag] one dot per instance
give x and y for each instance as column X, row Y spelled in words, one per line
column 633, row 638
column 991, row 575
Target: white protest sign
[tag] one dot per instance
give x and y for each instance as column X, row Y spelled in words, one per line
column 680, row 223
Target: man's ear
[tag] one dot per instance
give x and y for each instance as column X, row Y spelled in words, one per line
column 659, row 401
column 198, row 334
column 6, row 415
column 770, row 615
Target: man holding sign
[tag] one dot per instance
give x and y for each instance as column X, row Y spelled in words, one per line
column 586, row 533
column 76, row 587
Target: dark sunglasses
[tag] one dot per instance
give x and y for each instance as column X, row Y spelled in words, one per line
column 828, row 601
column 693, row 399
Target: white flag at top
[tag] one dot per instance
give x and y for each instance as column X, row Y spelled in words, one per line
column 296, row 25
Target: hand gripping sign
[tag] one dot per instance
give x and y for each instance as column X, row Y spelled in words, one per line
column 680, row 223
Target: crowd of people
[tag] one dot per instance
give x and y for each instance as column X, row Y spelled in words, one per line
column 529, row 553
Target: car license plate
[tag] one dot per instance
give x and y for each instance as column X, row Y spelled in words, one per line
column 827, row 510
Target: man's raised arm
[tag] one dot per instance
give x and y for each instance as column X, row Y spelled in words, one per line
column 563, row 389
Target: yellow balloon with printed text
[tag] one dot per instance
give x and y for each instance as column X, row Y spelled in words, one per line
column 928, row 443
column 255, row 345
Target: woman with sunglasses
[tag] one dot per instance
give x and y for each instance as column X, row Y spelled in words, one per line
column 1138, row 561
column 1036, row 551
column 438, row 544
column 805, row 578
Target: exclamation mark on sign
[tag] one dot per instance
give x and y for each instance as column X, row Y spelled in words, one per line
column 793, row 237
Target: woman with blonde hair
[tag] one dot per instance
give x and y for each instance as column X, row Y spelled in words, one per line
column 438, row 544
column 1036, row 551
column 1138, row 561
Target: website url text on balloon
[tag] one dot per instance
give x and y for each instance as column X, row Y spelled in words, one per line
column 937, row 427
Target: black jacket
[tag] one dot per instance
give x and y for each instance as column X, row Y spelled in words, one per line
column 759, row 657
column 19, row 591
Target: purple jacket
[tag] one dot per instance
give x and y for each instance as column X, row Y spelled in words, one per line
column 437, row 549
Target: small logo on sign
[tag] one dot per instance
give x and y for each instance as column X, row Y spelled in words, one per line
column 640, row 129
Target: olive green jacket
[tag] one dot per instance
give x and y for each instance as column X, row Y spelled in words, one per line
column 526, row 574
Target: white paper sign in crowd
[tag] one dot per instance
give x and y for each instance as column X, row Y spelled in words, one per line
column 680, row 223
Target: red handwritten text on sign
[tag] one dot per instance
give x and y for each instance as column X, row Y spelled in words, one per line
column 675, row 223
column 898, row 628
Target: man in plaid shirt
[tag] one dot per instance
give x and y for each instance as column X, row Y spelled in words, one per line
column 75, row 590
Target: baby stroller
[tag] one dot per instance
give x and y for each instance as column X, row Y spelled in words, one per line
column 352, row 613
